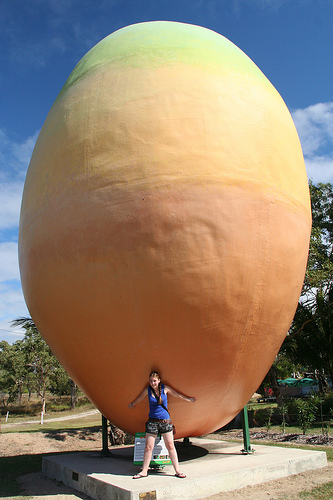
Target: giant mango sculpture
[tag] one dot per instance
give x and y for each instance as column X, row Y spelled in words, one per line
column 165, row 224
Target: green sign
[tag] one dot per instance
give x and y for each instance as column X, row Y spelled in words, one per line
column 160, row 453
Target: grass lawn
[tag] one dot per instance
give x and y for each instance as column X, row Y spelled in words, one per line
column 324, row 492
column 77, row 423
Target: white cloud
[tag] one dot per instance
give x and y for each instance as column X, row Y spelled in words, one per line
column 12, row 302
column 12, row 306
column 15, row 156
column 315, row 129
column 10, row 202
column 22, row 152
column 14, row 160
column 320, row 169
column 9, row 269
column 9, row 334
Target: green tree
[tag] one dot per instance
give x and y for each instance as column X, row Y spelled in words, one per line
column 309, row 342
column 319, row 272
column 39, row 358
column 306, row 410
column 62, row 385
column 280, row 369
column 13, row 369
column 44, row 370
column 310, row 339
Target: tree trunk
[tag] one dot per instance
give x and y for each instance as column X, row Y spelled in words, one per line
column 323, row 384
column 43, row 409
column 117, row 436
column 20, row 392
column 73, row 394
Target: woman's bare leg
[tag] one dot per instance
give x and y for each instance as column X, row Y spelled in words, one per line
column 170, row 445
column 150, row 443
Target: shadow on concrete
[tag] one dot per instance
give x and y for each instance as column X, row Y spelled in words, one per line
column 190, row 451
column 11, row 468
column 185, row 452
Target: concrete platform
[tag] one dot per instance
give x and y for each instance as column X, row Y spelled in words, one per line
column 211, row 467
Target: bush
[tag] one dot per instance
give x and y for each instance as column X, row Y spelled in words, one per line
column 292, row 411
column 307, row 410
column 265, row 417
column 31, row 409
column 58, row 407
column 302, row 412
column 327, row 404
column 82, row 401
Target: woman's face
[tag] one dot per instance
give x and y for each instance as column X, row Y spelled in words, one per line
column 154, row 381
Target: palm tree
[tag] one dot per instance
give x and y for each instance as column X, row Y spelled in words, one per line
column 310, row 340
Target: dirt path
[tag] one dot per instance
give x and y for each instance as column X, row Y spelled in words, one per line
column 46, row 420
column 36, row 487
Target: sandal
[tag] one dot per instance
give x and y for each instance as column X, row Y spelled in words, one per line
column 139, row 476
column 180, row 475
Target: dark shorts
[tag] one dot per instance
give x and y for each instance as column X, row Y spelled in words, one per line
column 158, row 426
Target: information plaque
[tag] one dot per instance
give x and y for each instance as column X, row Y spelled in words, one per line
column 160, row 453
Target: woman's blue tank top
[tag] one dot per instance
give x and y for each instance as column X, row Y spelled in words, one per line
column 155, row 409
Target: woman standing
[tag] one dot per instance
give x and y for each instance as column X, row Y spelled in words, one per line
column 159, row 421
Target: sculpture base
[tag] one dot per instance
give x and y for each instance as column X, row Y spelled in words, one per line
column 211, row 467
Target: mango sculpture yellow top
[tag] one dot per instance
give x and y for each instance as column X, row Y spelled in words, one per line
column 165, row 224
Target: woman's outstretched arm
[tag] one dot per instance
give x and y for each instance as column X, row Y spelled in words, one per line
column 176, row 394
column 138, row 400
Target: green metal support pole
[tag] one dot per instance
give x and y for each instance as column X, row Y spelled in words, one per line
column 246, row 433
column 105, row 449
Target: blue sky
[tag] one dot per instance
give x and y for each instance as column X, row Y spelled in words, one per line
column 42, row 40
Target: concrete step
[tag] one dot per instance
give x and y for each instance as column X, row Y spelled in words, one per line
column 211, row 467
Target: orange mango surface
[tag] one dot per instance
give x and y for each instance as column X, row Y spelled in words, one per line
column 165, row 224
